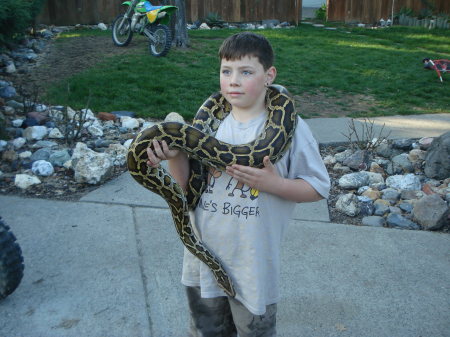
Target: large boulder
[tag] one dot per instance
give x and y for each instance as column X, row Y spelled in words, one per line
column 437, row 161
column 431, row 212
column 89, row 166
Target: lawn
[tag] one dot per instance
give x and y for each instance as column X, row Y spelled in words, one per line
column 382, row 65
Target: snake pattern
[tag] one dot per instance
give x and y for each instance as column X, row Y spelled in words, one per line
column 204, row 151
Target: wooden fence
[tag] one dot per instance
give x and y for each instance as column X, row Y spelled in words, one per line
column 71, row 12
column 245, row 10
column 370, row 11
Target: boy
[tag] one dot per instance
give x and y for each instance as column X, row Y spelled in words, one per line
column 244, row 211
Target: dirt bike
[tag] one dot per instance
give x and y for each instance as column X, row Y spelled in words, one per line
column 11, row 261
column 144, row 18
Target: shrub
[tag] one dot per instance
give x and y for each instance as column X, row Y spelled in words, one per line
column 321, row 13
column 16, row 17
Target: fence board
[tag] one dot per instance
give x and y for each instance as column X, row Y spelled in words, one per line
column 371, row 11
column 71, row 12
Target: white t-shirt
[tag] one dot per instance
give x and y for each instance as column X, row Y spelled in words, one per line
column 244, row 227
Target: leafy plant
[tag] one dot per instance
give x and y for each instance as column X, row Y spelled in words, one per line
column 16, row 17
column 321, row 13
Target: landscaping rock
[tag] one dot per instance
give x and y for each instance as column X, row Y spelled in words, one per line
column 348, row 204
column 24, row 181
column 391, row 195
column 358, row 160
column 354, row 180
column 42, row 168
column 398, row 221
column 58, row 158
column 404, row 182
column 437, row 161
column 373, row 221
column 89, row 166
column 41, row 154
column 401, row 164
column 35, row 132
column 431, row 212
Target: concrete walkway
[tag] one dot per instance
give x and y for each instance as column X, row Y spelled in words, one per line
column 109, row 265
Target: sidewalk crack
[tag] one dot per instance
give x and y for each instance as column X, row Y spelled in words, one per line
column 142, row 270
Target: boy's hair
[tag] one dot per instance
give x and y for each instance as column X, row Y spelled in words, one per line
column 244, row 44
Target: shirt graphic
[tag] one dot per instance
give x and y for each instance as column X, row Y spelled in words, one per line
column 241, row 200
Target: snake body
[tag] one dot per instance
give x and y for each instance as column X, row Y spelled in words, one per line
column 205, row 150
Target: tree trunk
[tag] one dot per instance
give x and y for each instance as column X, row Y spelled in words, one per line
column 181, row 36
column 178, row 23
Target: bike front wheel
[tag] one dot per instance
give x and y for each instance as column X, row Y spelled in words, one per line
column 11, row 261
column 162, row 40
column 121, row 31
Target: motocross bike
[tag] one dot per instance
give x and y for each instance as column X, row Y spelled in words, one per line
column 144, row 18
column 11, row 261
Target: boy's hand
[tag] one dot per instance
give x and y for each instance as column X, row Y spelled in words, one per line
column 159, row 153
column 263, row 179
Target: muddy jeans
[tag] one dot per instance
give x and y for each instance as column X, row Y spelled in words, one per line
column 227, row 317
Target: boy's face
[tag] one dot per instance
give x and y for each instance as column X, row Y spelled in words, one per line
column 243, row 82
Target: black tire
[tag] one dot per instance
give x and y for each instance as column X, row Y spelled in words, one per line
column 11, row 262
column 123, row 37
column 163, row 41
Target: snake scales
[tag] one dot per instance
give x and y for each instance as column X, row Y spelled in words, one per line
column 205, row 150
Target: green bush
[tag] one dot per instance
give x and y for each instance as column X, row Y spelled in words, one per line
column 16, row 17
column 321, row 13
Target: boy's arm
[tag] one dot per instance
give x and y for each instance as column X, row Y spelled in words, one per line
column 177, row 160
column 268, row 180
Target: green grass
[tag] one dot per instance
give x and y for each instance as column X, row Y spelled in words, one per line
column 384, row 64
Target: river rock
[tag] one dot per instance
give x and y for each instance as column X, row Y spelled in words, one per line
column 437, row 161
column 391, row 195
column 348, row 204
column 372, row 193
column 404, row 182
column 44, row 143
column 398, row 221
column 9, row 156
column 24, row 181
column 42, row 168
column 431, row 212
column 129, row 123
column 354, row 180
column 358, row 160
column 58, row 158
column 401, row 164
column 95, row 130
column 37, row 132
column 8, row 92
column 25, row 154
column 403, row 144
column 18, row 142
column 341, row 156
column 41, row 154
column 373, row 221
column 381, row 207
column 416, row 155
column 366, row 206
column 55, row 134
column 411, row 194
